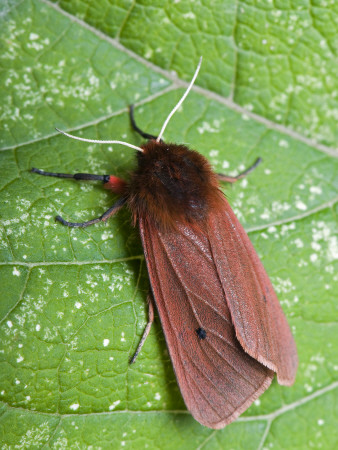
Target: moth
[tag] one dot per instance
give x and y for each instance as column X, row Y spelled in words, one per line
column 225, row 330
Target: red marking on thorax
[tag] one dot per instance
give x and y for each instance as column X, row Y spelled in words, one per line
column 116, row 184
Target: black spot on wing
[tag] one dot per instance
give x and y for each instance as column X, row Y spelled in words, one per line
column 201, row 333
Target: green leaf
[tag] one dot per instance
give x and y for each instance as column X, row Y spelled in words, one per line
column 73, row 301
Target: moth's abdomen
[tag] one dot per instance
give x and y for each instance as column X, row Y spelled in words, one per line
column 172, row 184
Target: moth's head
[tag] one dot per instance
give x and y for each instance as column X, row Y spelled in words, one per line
column 172, row 184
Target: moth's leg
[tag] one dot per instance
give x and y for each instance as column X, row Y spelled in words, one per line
column 147, row 328
column 116, row 184
column 75, row 176
column 136, row 128
column 105, row 216
column 241, row 175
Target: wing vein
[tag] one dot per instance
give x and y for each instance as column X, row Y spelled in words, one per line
column 258, row 288
column 219, row 353
column 200, row 323
column 180, row 346
column 205, row 376
column 189, row 290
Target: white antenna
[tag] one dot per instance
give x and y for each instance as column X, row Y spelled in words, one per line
column 181, row 101
column 95, row 141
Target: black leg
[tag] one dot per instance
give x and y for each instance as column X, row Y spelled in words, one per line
column 241, row 175
column 105, row 216
column 136, row 128
column 147, row 328
column 75, row 176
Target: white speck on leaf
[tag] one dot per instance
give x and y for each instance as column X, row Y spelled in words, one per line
column 113, row 406
column 313, row 257
column 300, row 205
column 316, row 246
column 16, row 272
column 283, row 285
column 149, row 53
column 189, row 15
column 299, row 243
column 210, row 128
column 283, row 143
column 316, row 190
column 74, row 406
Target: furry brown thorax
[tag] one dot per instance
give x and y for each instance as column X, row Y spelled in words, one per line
column 172, row 184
